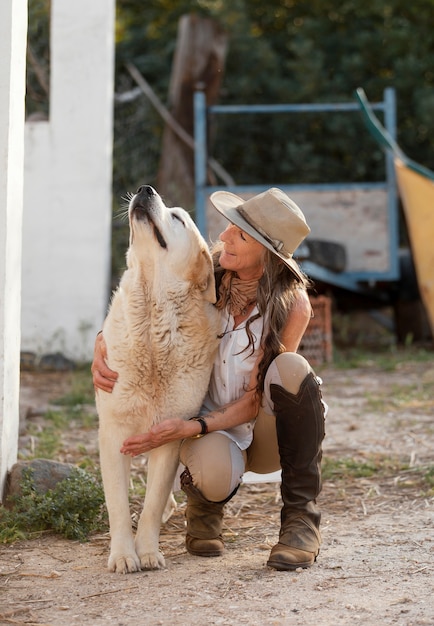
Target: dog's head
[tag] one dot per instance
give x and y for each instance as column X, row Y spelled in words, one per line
column 168, row 238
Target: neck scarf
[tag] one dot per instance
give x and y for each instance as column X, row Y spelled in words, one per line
column 236, row 294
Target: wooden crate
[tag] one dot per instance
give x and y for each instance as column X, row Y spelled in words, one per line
column 316, row 345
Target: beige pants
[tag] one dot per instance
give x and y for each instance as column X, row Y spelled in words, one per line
column 217, row 464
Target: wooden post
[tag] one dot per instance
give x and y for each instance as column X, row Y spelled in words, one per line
column 199, row 62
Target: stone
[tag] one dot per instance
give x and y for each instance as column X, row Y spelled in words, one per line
column 45, row 473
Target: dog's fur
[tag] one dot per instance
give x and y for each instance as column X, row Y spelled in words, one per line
column 161, row 336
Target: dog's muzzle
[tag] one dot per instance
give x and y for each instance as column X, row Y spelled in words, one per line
column 141, row 208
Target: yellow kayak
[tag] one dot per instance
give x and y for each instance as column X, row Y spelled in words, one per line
column 416, row 190
column 417, row 195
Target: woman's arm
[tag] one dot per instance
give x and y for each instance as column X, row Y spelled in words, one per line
column 103, row 377
column 238, row 412
column 234, row 413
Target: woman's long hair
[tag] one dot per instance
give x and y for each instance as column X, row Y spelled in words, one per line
column 275, row 298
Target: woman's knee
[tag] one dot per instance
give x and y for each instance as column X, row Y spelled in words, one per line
column 215, row 463
column 288, row 370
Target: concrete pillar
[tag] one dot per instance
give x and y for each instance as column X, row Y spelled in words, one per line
column 13, row 39
column 68, row 182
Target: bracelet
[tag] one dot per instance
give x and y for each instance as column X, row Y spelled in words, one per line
column 204, row 427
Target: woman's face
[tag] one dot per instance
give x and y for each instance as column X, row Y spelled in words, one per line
column 241, row 253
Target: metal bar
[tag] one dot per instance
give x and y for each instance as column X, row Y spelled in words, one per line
column 392, row 196
column 200, row 159
column 300, row 187
column 288, row 108
column 349, row 280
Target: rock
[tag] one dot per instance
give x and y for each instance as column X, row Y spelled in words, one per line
column 28, row 361
column 55, row 362
column 45, row 473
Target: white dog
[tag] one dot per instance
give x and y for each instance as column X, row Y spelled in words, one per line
column 161, row 335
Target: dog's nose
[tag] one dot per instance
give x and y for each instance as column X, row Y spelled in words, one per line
column 146, row 189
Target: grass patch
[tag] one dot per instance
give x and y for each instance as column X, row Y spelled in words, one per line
column 81, row 392
column 347, row 469
column 75, row 403
column 402, row 397
column 74, row 410
column 74, row 508
column 375, row 465
column 47, row 443
column 387, row 360
column 429, row 478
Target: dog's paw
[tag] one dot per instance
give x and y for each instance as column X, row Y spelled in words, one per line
column 152, row 560
column 124, row 563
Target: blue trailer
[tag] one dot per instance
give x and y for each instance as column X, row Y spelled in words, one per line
column 353, row 249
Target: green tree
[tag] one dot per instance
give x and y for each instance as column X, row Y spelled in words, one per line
column 38, row 58
column 321, row 51
column 281, row 51
column 298, row 51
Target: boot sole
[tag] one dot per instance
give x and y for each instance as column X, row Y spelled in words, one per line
column 206, row 554
column 289, row 567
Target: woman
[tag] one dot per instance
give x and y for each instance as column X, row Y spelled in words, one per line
column 263, row 410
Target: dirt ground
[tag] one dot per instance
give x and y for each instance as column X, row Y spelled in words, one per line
column 376, row 564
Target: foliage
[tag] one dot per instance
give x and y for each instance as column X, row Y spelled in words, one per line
column 281, row 51
column 385, row 359
column 75, row 409
column 81, row 393
column 38, row 58
column 349, row 467
column 47, row 442
column 301, row 51
column 305, row 51
column 74, row 508
column 379, row 468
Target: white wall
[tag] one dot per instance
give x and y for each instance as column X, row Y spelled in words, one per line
column 13, row 32
column 67, row 190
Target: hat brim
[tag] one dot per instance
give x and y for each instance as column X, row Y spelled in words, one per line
column 227, row 204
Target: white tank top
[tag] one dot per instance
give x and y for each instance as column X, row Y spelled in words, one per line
column 231, row 372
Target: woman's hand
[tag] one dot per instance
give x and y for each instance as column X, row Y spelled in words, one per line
column 164, row 432
column 103, row 377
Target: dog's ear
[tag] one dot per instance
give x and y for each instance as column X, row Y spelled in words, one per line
column 204, row 274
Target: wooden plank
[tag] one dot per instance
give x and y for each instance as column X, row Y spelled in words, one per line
column 198, row 63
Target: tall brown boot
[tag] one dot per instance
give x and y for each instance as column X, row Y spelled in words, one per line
column 300, row 431
column 204, row 520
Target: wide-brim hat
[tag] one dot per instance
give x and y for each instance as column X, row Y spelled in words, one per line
column 271, row 218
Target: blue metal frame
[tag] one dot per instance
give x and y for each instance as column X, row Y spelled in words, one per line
column 347, row 280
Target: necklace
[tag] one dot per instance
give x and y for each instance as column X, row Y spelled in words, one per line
column 227, row 332
column 232, row 330
column 246, row 308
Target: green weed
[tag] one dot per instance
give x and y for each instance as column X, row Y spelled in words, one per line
column 401, row 397
column 387, row 360
column 47, row 442
column 347, row 467
column 341, row 471
column 82, row 391
column 74, row 508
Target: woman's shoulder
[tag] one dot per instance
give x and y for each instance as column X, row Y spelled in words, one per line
column 297, row 321
column 302, row 301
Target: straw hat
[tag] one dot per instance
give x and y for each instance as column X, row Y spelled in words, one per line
column 271, row 218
